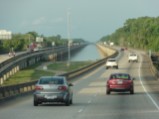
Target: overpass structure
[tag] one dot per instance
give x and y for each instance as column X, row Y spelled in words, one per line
column 10, row 65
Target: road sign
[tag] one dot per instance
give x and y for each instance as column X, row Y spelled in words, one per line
column 39, row 39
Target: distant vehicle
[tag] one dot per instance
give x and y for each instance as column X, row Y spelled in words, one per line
column 122, row 49
column 120, row 82
column 11, row 54
column 111, row 63
column 133, row 57
column 37, row 49
column 32, row 47
column 53, row 89
column 111, row 43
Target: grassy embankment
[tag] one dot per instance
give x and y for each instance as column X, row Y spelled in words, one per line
column 33, row 73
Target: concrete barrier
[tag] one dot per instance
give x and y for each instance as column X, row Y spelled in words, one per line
column 107, row 51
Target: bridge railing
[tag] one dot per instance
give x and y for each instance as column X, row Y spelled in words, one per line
column 6, row 62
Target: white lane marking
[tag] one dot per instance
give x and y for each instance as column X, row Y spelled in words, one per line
column 153, row 101
column 98, row 115
column 81, row 110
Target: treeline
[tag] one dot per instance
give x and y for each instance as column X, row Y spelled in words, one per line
column 142, row 33
column 20, row 42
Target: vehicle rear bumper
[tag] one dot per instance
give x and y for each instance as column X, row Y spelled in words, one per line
column 120, row 88
column 61, row 97
column 111, row 66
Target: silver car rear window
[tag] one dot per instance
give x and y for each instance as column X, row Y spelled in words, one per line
column 51, row 81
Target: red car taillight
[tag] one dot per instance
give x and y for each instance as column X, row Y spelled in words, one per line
column 111, row 82
column 38, row 88
column 130, row 82
column 62, row 88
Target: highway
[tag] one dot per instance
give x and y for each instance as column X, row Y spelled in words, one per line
column 90, row 99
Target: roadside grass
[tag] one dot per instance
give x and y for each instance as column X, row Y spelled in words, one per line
column 31, row 73
column 62, row 66
column 26, row 75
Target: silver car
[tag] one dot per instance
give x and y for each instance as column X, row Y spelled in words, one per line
column 53, row 89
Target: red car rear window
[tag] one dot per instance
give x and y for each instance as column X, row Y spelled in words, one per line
column 120, row 76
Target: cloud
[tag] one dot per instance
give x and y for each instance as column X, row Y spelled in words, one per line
column 24, row 23
column 44, row 21
column 39, row 21
column 57, row 20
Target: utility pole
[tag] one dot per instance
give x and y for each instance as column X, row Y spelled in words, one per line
column 69, row 36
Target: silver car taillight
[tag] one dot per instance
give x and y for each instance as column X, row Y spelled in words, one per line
column 38, row 88
column 62, row 88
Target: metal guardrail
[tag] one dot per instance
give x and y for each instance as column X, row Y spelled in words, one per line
column 6, row 62
column 152, row 67
column 86, row 69
column 18, row 89
column 8, row 92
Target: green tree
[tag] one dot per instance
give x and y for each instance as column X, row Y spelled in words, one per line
column 142, row 33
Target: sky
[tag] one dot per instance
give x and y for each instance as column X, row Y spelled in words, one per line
column 88, row 19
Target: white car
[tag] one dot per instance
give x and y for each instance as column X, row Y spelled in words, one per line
column 133, row 57
column 111, row 63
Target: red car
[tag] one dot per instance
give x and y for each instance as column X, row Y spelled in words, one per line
column 120, row 82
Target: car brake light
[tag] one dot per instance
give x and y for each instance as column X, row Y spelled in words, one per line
column 112, row 82
column 130, row 81
column 38, row 88
column 62, row 88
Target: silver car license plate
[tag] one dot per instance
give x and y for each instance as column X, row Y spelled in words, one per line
column 50, row 97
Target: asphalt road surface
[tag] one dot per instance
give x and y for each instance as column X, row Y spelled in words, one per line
column 90, row 99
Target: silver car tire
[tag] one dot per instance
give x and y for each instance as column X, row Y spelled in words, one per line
column 67, row 102
column 107, row 92
column 71, row 101
column 35, row 103
column 132, row 91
